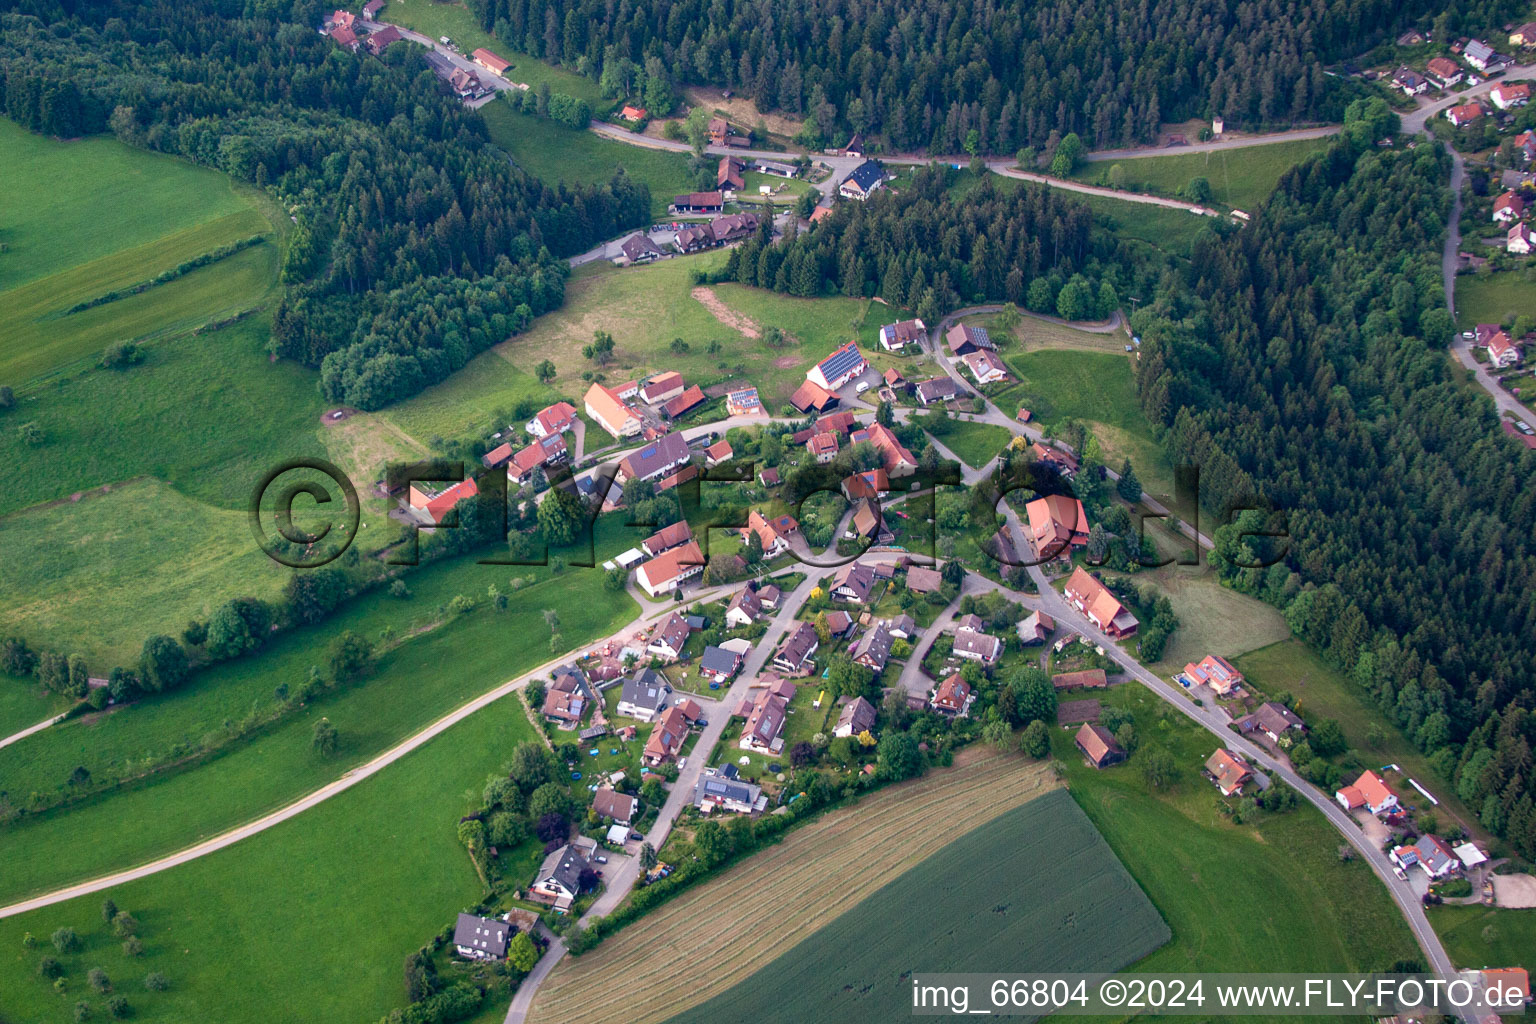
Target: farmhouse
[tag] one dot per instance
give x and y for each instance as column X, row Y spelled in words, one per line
column 764, row 723
column 874, row 648
column 545, row 451
column 775, row 535
column 1501, row 351
column 1444, row 71
column 645, row 695
column 1228, row 771
column 1093, row 599
column 823, row 447
column 634, row 113
column 844, row 364
column 559, row 879
column 812, row 397
column 666, row 572
column 341, row 30
column 1506, row 96
column 610, row 803
column 716, row 792
column 661, row 388
column 698, row 202
column 667, row 538
column 669, row 637
column 719, row 130
column 1429, row 853
column 481, row 938
column 660, row 457
column 1483, row 57
column 1098, row 745
column 939, row 389
column 609, row 411
column 638, row 248
column 434, row 503
column 667, row 737
column 729, row 174
column 672, row 480
column 378, row 42
column 684, row 403
column 1035, row 627
column 840, row 423
column 1214, row 671
column 1272, row 719
column 743, row 403
column 1368, row 791
column 720, row 451
column 552, row 419
column 862, row 182
column 896, row 337
column 744, row 608
column 985, row 366
column 857, row 716
column 492, row 63
column 795, row 653
column 1058, row 524
column 952, row 697
column 963, row 339
column 1085, row 679
column 1508, row 207
column 868, row 522
column 464, row 83
column 874, row 484
column 899, row 461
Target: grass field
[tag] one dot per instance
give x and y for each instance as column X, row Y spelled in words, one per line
column 1321, row 692
column 651, row 971
column 1172, row 231
column 1494, row 298
column 420, row 679
column 1075, row 909
column 558, row 154
column 1241, row 177
column 1098, row 388
column 1461, row 929
column 1212, row 619
column 1270, row 896
column 95, row 216
column 975, row 443
column 317, row 913
column 23, row 703
column 433, row 20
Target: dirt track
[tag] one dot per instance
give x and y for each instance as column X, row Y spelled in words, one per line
column 707, row 298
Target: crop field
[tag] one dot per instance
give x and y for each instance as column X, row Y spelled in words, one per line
column 555, row 153
column 1271, row 895
column 1242, row 177
column 1322, row 692
column 408, row 689
column 1493, row 298
column 309, row 920
column 1073, row 908
column 650, row 971
column 106, row 202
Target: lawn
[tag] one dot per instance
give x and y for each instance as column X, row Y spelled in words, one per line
column 1494, row 298
column 1075, row 909
column 558, row 154
column 318, row 912
column 454, row 20
column 1097, row 387
column 418, row 680
column 1461, row 929
column 975, row 443
column 1321, row 692
column 1270, row 896
column 1241, row 177
column 1212, row 619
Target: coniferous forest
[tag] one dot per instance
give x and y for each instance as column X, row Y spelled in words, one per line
column 1304, row 371
column 417, row 244
column 921, row 76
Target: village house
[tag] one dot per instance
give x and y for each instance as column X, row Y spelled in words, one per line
column 716, row 791
column 1035, row 627
column 719, row 130
column 1465, row 114
column 1503, row 352
column 610, row 803
column 839, row 623
column 823, row 447
column 546, row 451
column 844, row 364
column 1370, row 792
column 812, row 397
column 667, row 737
column 795, row 653
column 765, row 723
column 1103, row 609
column 896, row 337
column 342, row 31
column 1273, row 719
column 1411, row 82
column 902, row 627
column 769, row 595
column 492, row 63
column 1228, row 771
column 868, row 523
column 840, row 423
column 1214, row 671
column 698, row 202
column 898, row 460
column 639, row 248
column 1083, row 679
column 1525, row 35
column 1098, row 745
column 921, row 580
column 552, row 419
column 645, row 695
column 896, row 382
column 481, row 938
column 952, row 697
column 862, row 181
column 660, row 457
column 667, row 538
column 630, row 112
column 857, row 716
column 744, row 608
column 661, row 388
column 609, row 411
column 558, row 881
column 669, row 637
column 985, row 366
column 853, row 583
column 720, row 663
column 720, row 451
column 963, row 339
column 743, row 402
column 1444, row 71
column 1525, row 146
column 1483, row 57
column 463, row 82
column 1506, row 979
column 435, row 502
column 1429, row 853
column 938, row 389
column 775, row 535
column 566, row 699
column 1058, row 524
column 777, row 167
column 1063, row 462
column 1507, row 96
column 729, row 174
column 378, row 42
column 666, row 572
column 974, row 645
column 874, row 648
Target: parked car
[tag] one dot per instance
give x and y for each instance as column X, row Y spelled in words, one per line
column 636, row 836
column 601, row 859
column 862, row 387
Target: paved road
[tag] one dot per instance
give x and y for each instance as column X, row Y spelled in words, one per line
column 1215, row 145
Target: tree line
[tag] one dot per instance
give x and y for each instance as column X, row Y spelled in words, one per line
column 990, row 77
column 1305, row 372
column 417, row 242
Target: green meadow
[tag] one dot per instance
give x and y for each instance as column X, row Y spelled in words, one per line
column 1241, row 177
